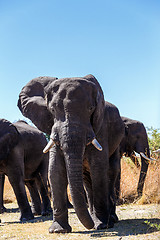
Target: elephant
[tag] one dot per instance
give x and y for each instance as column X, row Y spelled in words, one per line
column 135, row 140
column 85, row 133
column 23, row 161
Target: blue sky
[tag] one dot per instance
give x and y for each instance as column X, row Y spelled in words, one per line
column 118, row 41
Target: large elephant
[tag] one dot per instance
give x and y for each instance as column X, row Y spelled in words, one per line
column 23, row 161
column 85, row 132
column 135, row 140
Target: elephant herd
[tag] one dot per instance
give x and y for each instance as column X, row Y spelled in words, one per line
column 87, row 140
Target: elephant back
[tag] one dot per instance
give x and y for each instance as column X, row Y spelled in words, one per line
column 31, row 137
column 9, row 138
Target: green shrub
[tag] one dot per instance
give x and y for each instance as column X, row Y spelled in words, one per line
column 153, row 138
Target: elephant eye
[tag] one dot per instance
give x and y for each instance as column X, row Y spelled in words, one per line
column 52, row 109
column 51, row 106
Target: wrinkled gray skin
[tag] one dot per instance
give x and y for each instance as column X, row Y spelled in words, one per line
column 73, row 112
column 23, row 161
column 135, row 139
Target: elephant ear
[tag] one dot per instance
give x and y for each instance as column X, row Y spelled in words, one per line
column 98, row 114
column 9, row 137
column 32, row 103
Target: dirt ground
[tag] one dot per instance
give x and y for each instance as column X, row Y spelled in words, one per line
column 135, row 222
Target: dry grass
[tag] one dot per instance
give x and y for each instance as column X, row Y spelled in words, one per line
column 129, row 181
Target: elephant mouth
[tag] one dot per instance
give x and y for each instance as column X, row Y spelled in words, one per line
column 51, row 143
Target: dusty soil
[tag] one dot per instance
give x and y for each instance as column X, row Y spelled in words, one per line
column 136, row 222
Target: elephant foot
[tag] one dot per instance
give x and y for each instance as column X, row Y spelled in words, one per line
column 102, row 224
column 3, row 209
column 114, row 218
column 98, row 224
column 26, row 217
column 57, row 227
column 36, row 211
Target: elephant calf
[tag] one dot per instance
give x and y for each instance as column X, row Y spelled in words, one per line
column 23, row 161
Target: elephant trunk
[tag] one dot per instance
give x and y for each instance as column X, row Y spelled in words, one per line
column 77, row 192
column 73, row 154
column 144, row 168
column 143, row 173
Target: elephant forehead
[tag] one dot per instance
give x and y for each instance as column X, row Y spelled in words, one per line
column 77, row 93
column 71, row 93
column 71, row 86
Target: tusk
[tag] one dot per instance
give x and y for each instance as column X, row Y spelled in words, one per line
column 49, row 145
column 136, row 154
column 148, row 159
column 96, row 144
column 156, row 151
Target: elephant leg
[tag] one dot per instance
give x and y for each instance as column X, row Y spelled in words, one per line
column 99, row 166
column 69, row 204
column 19, row 189
column 58, row 181
column 144, row 168
column 35, row 198
column 43, row 189
column 2, row 180
column 114, row 174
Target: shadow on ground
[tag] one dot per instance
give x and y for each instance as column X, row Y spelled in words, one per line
column 36, row 219
column 126, row 227
column 11, row 210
